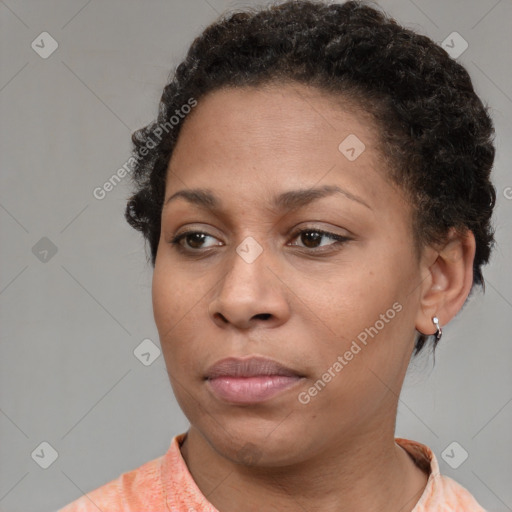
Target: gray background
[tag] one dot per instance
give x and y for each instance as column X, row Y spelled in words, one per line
column 70, row 323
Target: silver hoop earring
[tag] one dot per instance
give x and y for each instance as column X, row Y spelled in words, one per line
column 439, row 331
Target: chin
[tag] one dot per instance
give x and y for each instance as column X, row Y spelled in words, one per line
column 253, row 445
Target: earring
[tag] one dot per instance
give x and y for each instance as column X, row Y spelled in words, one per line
column 439, row 331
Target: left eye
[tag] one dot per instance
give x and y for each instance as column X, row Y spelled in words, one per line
column 311, row 237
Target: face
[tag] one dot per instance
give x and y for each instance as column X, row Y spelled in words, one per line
column 324, row 284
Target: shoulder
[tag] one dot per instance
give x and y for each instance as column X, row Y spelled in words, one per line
column 453, row 497
column 442, row 493
column 129, row 492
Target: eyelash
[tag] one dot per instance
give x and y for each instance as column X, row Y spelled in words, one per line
column 339, row 240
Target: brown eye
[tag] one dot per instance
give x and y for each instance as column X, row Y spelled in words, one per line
column 194, row 240
column 312, row 238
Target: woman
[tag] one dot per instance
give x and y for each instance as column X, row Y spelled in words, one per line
column 316, row 197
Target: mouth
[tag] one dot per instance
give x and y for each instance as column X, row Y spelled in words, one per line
column 250, row 380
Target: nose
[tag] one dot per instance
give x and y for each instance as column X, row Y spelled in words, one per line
column 250, row 294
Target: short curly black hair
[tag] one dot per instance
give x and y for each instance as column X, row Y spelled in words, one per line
column 436, row 134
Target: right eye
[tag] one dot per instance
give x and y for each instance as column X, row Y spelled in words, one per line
column 193, row 241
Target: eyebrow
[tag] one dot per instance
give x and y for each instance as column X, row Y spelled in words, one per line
column 289, row 200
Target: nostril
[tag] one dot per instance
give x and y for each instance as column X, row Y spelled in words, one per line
column 263, row 316
column 221, row 317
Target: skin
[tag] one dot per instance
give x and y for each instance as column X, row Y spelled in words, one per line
column 337, row 452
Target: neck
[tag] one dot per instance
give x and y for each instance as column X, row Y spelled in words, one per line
column 369, row 472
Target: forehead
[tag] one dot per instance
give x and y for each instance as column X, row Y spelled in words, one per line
column 278, row 137
column 258, row 114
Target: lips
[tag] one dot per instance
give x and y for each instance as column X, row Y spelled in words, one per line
column 249, row 367
column 249, row 381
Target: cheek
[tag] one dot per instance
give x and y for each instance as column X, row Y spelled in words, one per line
column 179, row 309
column 359, row 312
column 348, row 300
column 174, row 294
column 173, row 304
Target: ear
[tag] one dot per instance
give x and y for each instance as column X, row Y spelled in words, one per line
column 447, row 279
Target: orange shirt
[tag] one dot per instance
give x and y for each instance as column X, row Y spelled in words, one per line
column 165, row 485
